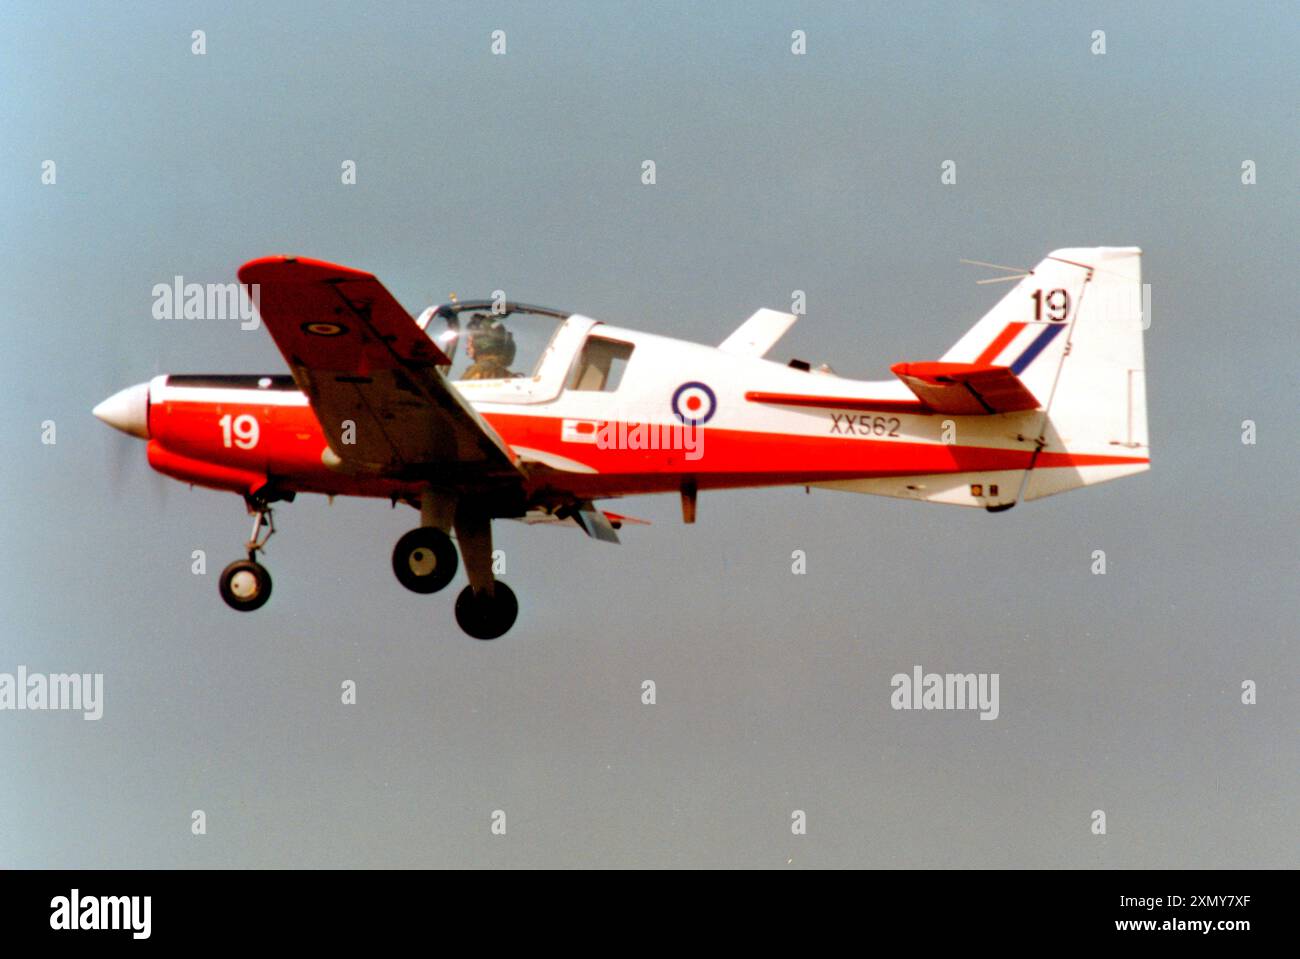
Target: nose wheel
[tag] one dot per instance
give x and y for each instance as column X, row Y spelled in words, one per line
column 424, row 560
column 245, row 584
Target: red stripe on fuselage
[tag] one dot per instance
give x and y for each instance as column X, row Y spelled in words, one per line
column 291, row 442
column 839, row 402
column 751, row 458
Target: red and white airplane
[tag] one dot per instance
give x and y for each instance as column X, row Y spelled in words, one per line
column 542, row 413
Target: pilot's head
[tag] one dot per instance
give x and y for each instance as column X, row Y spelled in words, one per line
column 487, row 339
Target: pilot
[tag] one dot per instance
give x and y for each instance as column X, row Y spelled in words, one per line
column 491, row 347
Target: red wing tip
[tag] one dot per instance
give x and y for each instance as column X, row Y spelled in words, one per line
column 289, row 266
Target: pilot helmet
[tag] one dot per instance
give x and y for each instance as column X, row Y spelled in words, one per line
column 490, row 339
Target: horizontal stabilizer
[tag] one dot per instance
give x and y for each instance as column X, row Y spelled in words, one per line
column 966, row 389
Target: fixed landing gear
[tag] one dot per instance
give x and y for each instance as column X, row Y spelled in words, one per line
column 487, row 607
column 424, row 560
column 487, row 615
column 245, row 584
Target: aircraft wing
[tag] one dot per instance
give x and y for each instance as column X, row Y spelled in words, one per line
column 966, row 389
column 372, row 376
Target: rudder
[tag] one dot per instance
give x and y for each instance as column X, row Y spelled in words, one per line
column 1095, row 426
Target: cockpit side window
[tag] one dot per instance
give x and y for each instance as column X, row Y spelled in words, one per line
column 600, row 366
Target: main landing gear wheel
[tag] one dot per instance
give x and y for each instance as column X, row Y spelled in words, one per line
column 245, row 585
column 424, row 560
column 487, row 615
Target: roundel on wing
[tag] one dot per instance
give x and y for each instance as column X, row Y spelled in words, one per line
column 694, row 403
column 321, row 328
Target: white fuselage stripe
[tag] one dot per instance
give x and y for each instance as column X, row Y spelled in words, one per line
column 212, row 394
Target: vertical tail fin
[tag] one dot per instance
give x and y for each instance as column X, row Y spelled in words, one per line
column 1071, row 330
column 1072, row 408
column 1028, row 329
column 1096, row 414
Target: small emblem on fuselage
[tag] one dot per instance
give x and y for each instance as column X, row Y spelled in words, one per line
column 578, row 431
column 694, row 403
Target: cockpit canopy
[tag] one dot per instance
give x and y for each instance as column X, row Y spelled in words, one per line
column 491, row 339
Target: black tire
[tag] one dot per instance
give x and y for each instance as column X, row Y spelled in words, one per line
column 245, row 585
column 486, row 616
column 425, row 560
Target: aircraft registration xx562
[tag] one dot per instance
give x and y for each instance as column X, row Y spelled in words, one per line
column 476, row 411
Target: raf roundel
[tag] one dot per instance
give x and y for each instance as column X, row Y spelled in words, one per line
column 324, row 329
column 694, row 403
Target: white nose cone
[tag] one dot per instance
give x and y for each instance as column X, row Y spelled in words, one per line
column 127, row 410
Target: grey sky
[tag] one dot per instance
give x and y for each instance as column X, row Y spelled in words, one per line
column 775, row 173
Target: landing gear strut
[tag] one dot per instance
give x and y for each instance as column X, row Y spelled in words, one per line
column 245, row 584
column 425, row 560
column 487, row 607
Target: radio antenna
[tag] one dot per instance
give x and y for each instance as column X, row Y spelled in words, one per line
column 998, row 266
column 1016, row 272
